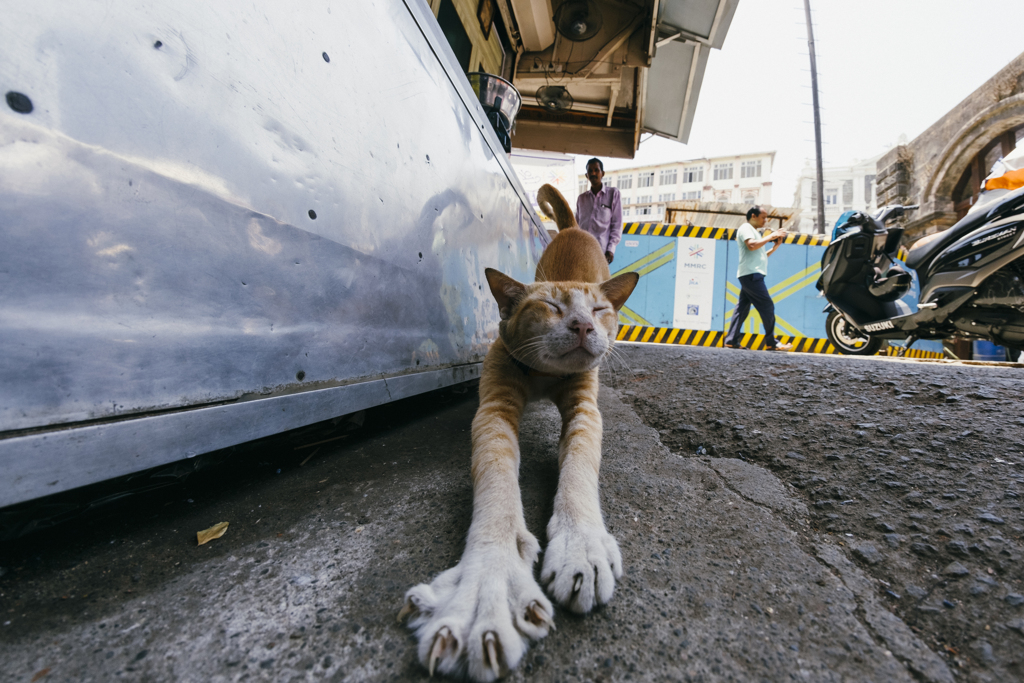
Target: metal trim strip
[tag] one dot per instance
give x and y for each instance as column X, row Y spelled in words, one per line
column 51, row 462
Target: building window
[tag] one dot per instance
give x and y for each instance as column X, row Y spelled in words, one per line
column 723, row 171
column 670, row 197
column 625, row 182
column 645, row 179
column 643, row 211
column 667, row 176
column 869, row 193
column 626, row 201
column 831, row 197
column 693, row 174
column 691, row 195
column 750, row 198
column 722, row 197
column 625, row 212
column 750, row 169
column 644, row 199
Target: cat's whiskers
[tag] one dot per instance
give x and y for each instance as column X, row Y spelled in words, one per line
column 615, row 354
column 528, row 350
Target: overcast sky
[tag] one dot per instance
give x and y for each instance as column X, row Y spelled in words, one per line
column 885, row 68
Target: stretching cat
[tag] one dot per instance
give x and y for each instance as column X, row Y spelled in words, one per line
column 477, row 618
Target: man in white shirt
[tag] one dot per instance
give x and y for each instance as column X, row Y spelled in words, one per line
column 753, row 267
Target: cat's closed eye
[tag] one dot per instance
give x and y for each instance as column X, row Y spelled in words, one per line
column 554, row 307
column 599, row 309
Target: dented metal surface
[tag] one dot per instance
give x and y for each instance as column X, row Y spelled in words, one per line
column 207, row 202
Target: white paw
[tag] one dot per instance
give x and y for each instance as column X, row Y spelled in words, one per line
column 581, row 564
column 478, row 617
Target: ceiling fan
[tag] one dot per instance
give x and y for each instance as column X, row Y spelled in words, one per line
column 578, row 20
column 554, row 98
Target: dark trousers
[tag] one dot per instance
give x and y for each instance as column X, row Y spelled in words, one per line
column 753, row 291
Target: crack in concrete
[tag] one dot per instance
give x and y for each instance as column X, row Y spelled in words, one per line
column 891, row 631
column 887, row 629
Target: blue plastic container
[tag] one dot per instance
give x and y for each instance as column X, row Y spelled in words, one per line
column 986, row 350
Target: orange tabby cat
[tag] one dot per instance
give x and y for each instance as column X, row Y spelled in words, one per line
column 478, row 617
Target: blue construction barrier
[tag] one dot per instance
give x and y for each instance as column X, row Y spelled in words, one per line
column 688, row 289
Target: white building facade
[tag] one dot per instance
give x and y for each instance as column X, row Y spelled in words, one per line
column 847, row 188
column 645, row 190
column 536, row 168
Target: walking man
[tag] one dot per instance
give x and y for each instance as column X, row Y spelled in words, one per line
column 752, row 270
column 599, row 210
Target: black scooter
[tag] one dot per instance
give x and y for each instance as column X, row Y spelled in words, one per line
column 971, row 280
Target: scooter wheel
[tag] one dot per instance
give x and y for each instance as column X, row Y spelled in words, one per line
column 848, row 339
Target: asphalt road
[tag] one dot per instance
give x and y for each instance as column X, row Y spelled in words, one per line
column 781, row 517
column 912, row 470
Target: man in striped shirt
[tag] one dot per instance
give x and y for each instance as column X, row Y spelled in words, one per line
column 599, row 210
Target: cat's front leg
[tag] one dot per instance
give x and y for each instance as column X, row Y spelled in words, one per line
column 582, row 560
column 478, row 617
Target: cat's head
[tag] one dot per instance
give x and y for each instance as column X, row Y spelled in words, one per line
column 559, row 327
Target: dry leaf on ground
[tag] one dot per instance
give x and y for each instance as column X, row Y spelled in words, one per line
column 215, row 531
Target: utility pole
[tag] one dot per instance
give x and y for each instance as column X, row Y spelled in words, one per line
column 817, row 120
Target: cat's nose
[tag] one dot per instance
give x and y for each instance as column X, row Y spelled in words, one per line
column 582, row 328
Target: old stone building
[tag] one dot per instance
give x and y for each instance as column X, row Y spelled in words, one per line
column 942, row 168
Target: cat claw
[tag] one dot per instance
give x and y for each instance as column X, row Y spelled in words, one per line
column 491, row 647
column 574, row 552
column 442, row 640
column 408, row 609
column 538, row 616
column 476, row 620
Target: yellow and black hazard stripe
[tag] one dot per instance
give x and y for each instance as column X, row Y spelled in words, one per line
column 671, row 335
column 911, row 353
column 663, row 230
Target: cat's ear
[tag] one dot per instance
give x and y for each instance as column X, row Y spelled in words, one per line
column 506, row 291
column 619, row 288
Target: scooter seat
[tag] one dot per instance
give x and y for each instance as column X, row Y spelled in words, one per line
column 922, row 251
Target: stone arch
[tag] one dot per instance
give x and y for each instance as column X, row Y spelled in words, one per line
column 951, row 163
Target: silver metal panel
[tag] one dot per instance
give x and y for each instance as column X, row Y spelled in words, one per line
column 695, row 16
column 686, row 31
column 707, row 20
column 157, row 206
column 673, row 86
column 59, row 460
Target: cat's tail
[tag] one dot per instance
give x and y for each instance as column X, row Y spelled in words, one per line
column 554, row 206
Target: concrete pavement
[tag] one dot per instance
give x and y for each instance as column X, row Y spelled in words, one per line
column 308, row 580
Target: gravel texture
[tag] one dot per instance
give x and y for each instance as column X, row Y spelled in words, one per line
column 915, row 472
